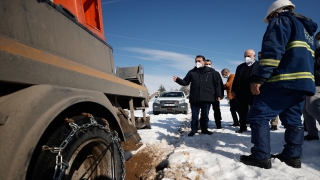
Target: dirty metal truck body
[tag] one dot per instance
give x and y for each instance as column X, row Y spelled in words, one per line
column 56, row 69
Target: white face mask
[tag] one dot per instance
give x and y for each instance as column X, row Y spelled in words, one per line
column 225, row 76
column 208, row 65
column 198, row 65
column 318, row 44
column 248, row 59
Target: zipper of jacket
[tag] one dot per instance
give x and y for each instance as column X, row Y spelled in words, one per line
column 198, row 93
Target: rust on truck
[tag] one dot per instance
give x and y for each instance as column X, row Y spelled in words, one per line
column 61, row 97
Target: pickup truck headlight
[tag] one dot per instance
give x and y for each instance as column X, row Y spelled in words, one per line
column 182, row 101
column 156, row 101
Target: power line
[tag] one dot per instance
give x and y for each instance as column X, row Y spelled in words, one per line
column 156, row 42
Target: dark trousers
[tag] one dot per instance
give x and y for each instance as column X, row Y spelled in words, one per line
column 217, row 113
column 265, row 107
column 233, row 110
column 243, row 105
column 204, row 119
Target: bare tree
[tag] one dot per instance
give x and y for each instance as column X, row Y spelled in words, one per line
column 161, row 88
column 185, row 89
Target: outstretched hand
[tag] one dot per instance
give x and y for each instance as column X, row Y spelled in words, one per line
column 175, row 78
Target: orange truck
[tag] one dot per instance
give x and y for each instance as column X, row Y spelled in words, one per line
column 65, row 111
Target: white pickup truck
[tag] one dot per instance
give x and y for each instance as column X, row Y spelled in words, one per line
column 171, row 102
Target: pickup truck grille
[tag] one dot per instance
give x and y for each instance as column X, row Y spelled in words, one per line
column 169, row 104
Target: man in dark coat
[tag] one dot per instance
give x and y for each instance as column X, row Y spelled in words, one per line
column 216, row 104
column 241, row 87
column 204, row 90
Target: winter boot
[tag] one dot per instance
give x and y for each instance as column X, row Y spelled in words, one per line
column 205, row 131
column 252, row 161
column 310, row 138
column 273, row 128
column 293, row 162
column 191, row 133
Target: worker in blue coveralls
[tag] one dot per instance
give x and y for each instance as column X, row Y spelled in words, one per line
column 284, row 77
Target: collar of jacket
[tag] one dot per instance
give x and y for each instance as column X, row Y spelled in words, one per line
column 206, row 69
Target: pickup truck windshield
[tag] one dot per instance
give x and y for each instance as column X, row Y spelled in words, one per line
column 172, row 94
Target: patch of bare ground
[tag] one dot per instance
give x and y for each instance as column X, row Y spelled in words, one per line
column 148, row 163
column 179, row 172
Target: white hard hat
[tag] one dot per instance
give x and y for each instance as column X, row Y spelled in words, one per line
column 277, row 5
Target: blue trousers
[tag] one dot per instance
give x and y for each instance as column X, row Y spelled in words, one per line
column 286, row 103
column 204, row 119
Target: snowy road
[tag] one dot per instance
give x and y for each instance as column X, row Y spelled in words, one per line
column 216, row 156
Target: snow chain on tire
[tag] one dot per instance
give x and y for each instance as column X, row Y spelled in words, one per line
column 61, row 166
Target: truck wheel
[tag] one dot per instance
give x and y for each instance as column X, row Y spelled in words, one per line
column 91, row 152
column 185, row 112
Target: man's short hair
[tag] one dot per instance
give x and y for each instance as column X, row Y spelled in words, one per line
column 225, row 69
column 209, row 60
column 200, row 56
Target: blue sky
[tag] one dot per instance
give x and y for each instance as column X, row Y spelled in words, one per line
column 164, row 36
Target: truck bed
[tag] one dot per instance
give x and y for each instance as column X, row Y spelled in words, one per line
column 40, row 44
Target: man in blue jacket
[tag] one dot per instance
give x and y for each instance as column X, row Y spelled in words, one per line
column 284, row 77
column 204, row 90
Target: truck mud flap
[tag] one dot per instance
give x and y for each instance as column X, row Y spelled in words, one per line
column 130, row 132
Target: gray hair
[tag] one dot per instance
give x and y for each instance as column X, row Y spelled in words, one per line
column 225, row 69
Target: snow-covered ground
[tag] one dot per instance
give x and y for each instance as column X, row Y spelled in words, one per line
column 216, row 156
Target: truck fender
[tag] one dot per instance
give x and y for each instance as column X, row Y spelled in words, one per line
column 28, row 113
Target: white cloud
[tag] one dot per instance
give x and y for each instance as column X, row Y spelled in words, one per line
column 234, row 62
column 171, row 64
column 153, row 82
column 175, row 60
column 160, row 55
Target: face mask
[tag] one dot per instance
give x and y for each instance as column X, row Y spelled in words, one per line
column 198, row 65
column 248, row 60
column 208, row 65
column 225, row 76
column 318, row 44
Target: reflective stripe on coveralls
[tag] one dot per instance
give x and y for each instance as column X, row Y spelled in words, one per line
column 289, row 76
column 295, row 44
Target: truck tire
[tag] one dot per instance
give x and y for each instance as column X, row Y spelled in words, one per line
column 91, row 145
